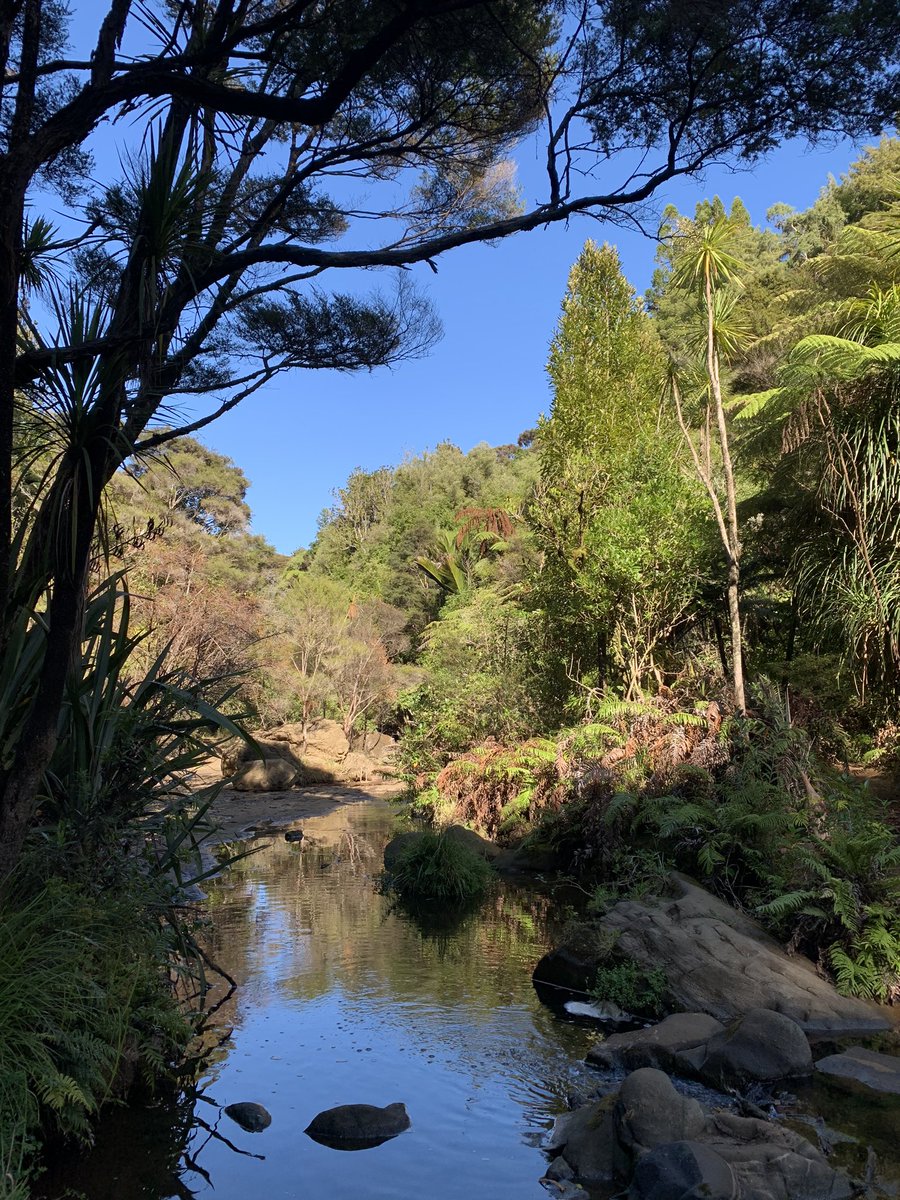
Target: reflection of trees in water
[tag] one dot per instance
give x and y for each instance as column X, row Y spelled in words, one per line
column 302, row 919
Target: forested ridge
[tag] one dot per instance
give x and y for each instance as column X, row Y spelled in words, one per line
column 655, row 630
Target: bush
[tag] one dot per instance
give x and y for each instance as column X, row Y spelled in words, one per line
column 631, row 987
column 437, row 869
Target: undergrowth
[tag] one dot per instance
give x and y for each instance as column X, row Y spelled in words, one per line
column 743, row 804
column 101, row 976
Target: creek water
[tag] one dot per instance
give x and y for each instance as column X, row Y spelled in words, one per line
column 342, row 999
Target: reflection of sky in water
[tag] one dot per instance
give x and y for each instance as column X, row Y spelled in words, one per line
column 343, row 1001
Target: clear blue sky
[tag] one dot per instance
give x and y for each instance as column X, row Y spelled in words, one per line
column 301, row 436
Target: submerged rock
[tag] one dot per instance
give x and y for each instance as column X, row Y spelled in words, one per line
column 358, row 1126
column 873, row 1071
column 720, row 961
column 249, row 1115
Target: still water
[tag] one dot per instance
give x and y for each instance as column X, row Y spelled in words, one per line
column 342, row 1000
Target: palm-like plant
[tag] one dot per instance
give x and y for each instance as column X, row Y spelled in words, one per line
column 705, row 263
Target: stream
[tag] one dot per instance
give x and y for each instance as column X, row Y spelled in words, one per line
column 341, row 1000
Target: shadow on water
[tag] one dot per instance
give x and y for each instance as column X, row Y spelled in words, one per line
column 344, row 998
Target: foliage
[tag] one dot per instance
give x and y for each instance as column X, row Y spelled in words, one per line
column 614, row 517
column 97, row 938
column 636, row 990
column 82, row 1009
column 481, row 662
column 502, row 789
column 438, row 869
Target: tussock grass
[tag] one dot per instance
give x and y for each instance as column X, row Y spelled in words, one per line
column 440, row 870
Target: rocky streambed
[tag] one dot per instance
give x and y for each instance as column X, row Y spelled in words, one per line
column 797, row 1104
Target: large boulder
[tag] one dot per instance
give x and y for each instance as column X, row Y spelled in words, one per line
column 400, row 844
column 586, row 1140
column 770, row 1162
column 378, row 747
column 327, row 739
column 720, row 961
column 358, row 1126
column 265, row 775
column 760, row 1046
column 665, row 1146
column 868, row 1070
column 472, row 841
column 573, row 964
column 661, row 1045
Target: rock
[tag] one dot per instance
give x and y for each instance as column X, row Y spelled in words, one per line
column 327, row 739
column 559, row 1171
column 573, row 965
column 356, row 768
column 358, row 1126
column 379, row 747
column 587, row 1140
column 294, row 835
column 667, row 1147
column 770, row 1162
column 856, row 1065
column 721, row 962
column 565, row 1190
column 250, row 1116
column 658, row 1046
column 528, row 857
column 761, row 1046
column 402, row 843
column 314, row 770
column 399, row 845
column 683, row 1171
column 472, row 841
column 650, row 1112
column 265, row 775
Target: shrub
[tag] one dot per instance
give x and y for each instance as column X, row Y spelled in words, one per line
column 437, row 869
column 634, row 989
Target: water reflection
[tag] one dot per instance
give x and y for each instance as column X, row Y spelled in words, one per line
column 344, row 999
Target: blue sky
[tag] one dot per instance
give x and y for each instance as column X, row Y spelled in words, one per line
column 302, row 436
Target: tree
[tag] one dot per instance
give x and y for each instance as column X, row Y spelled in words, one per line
column 308, row 617
column 835, row 417
column 192, row 277
column 613, row 516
